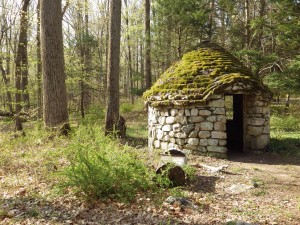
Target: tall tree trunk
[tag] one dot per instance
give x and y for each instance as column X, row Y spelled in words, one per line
column 247, row 24
column 105, row 80
column 21, row 63
column 112, row 119
column 179, row 45
column 82, row 36
column 129, row 56
column 211, row 19
column 142, row 65
column 147, row 46
column 55, row 96
column 260, row 29
column 223, row 28
column 6, row 81
column 39, row 65
column 87, row 59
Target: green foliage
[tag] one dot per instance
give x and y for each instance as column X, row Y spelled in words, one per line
column 177, row 192
column 278, row 110
column 285, row 128
column 138, row 91
column 126, row 107
column 101, row 168
column 94, row 115
column 190, row 172
column 285, row 123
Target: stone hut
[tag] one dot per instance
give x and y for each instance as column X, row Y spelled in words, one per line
column 209, row 103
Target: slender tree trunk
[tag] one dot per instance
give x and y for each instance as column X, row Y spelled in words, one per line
column 6, row 81
column 24, row 79
column 261, row 15
column 8, row 72
column 211, row 19
column 113, row 99
column 247, row 24
column 147, row 58
column 21, row 62
column 87, row 59
column 55, row 96
column 82, row 34
column 179, row 46
column 39, row 65
column 105, row 80
column 142, row 65
column 223, row 28
column 129, row 56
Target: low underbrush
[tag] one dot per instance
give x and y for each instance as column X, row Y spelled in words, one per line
column 285, row 130
column 100, row 167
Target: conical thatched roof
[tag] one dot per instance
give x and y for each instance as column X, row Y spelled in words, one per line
column 200, row 73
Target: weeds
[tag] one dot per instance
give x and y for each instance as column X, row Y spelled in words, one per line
column 101, row 168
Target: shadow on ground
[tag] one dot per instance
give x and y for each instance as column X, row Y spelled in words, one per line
column 269, row 158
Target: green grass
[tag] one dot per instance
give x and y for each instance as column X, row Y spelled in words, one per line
column 285, row 130
column 285, row 123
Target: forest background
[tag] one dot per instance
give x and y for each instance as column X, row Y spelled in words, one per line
column 263, row 34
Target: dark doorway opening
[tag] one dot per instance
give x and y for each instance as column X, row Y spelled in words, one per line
column 234, row 123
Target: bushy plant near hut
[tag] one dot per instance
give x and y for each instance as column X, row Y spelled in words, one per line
column 102, row 168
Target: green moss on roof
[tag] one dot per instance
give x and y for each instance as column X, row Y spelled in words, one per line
column 201, row 73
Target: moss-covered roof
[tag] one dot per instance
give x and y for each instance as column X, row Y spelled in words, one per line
column 200, row 73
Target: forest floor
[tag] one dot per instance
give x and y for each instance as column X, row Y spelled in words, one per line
column 252, row 189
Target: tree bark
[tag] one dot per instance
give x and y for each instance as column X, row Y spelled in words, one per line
column 21, row 62
column 54, row 87
column 129, row 57
column 211, row 19
column 6, row 84
column 247, row 24
column 147, row 64
column 113, row 98
column 39, row 65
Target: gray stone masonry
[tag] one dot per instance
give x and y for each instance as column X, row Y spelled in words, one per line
column 200, row 129
column 258, row 123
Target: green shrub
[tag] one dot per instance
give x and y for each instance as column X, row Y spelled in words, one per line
column 101, row 168
column 282, row 110
column 278, row 110
column 126, row 107
column 94, row 115
column 285, row 123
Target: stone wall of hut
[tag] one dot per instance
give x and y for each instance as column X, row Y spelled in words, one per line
column 200, row 128
column 258, row 122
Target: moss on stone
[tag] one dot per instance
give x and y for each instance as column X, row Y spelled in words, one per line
column 201, row 73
